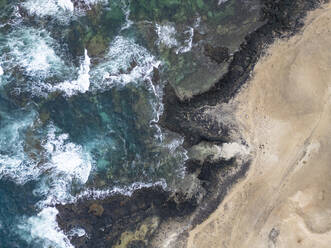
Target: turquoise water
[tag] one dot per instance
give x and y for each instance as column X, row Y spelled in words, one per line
column 81, row 87
column 78, row 113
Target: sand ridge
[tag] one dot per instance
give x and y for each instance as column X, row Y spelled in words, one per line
column 284, row 113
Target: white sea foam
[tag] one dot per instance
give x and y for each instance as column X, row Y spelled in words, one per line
column 57, row 8
column 188, row 42
column 59, row 163
column 174, row 144
column 67, row 157
column 1, row 71
column 40, row 57
column 169, row 37
column 77, row 231
column 81, row 6
column 126, row 62
column 66, row 5
column 197, row 22
column 94, row 2
column 33, row 50
column 82, row 84
column 189, row 33
column 128, row 23
column 128, row 190
column 166, row 35
column 182, row 41
column 16, row 170
column 158, row 109
column 176, row 149
column 40, row 7
column 14, row 17
column 45, row 229
column 67, row 163
column 14, row 163
column 221, row 1
column 60, row 10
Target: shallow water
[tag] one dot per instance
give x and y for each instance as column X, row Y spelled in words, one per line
column 71, row 125
column 80, row 97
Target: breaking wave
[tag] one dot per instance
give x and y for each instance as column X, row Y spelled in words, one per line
column 34, row 149
column 44, row 230
column 82, row 84
column 44, row 8
column 32, row 50
column 126, row 62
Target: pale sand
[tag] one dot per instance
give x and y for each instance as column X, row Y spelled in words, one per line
column 285, row 115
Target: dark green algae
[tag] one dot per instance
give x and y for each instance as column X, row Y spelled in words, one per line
column 180, row 11
column 216, row 25
column 88, row 116
column 96, row 29
column 283, row 18
column 116, row 126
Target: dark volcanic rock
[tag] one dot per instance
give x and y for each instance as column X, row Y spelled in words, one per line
column 134, row 221
column 106, row 220
column 283, row 19
column 217, row 33
column 219, row 54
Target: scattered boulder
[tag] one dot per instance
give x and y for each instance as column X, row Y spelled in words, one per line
column 96, row 209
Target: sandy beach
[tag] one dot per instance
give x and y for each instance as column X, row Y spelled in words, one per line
column 284, row 114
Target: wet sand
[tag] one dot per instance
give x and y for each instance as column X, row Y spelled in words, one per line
column 285, row 116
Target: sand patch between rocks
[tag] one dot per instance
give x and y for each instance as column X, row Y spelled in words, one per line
column 285, row 116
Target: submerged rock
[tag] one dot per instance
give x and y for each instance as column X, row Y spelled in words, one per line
column 96, row 209
column 153, row 217
column 196, row 39
column 218, row 54
column 96, row 29
column 139, row 236
column 125, row 220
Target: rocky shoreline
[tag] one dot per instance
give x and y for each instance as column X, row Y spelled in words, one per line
column 284, row 116
column 153, row 217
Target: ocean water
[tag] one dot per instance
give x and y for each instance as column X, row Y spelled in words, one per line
column 81, row 91
column 73, row 124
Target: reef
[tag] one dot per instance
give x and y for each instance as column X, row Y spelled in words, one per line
column 155, row 217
